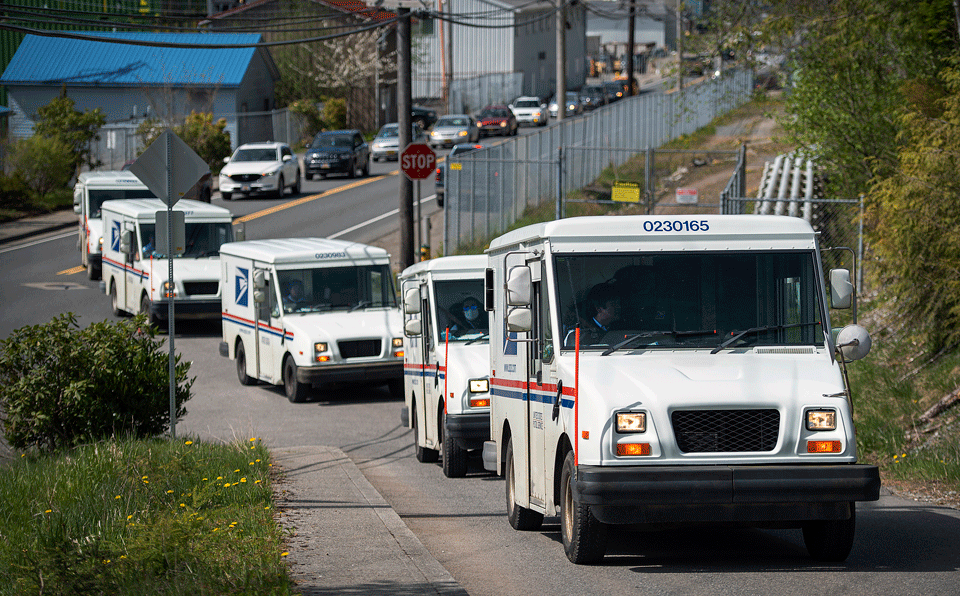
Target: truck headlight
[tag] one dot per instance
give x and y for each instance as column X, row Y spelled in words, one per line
column 479, row 385
column 398, row 347
column 169, row 289
column 320, row 346
column 821, row 420
column 631, row 422
column 318, row 349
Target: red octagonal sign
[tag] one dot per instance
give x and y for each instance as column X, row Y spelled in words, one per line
column 418, row 161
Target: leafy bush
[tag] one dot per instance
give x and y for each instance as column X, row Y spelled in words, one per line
column 14, row 192
column 207, row 138
column 61, row 385
column 335, row 113
column 76, row 129
column 44, row 162
column 310, row 117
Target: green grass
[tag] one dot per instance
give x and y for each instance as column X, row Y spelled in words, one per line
column 14, row 208
column 141, row 517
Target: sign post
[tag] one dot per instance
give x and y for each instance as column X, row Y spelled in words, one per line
column 170, row 168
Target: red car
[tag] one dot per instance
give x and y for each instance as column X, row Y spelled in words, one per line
column 497, row 120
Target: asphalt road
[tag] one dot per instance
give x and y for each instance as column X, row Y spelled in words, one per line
column 902, row 547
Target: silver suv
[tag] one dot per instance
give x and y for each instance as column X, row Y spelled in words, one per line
column 260, row 168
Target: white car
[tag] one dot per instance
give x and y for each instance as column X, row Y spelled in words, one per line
column 386, row 145
column 453, row 129
column 529, row 110
column 260, row 168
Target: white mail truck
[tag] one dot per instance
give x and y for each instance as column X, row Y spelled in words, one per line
column 446, row 359
column 303, row 312
column 670, row 370
column 136, row 275
column 89, row 193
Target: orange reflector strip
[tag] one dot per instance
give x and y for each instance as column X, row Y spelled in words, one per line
column 323, row 358
column 585, row 434
column 398, row 353
column 633, row 449
column 824, row 446
column 479, row 403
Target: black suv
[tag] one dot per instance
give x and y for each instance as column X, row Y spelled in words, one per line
column 337, row 151
column 458, row 149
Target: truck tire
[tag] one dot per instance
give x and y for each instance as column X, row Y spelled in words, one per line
column 396, row 388
column 830, row 540
column 424, row 454
column 520, row 518
column 295, row 390
column 454, row 458
column 114, row 301
column 584, row 537
column 145, row 309
column 242, row 375
column 226, row 196
column 93, row 272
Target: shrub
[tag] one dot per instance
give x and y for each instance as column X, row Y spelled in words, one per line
column 335, row 113
column 310, row 118
column 14, row 192
column 207, row 138
column 46, row 163
column 61, row 385
column 76, row 129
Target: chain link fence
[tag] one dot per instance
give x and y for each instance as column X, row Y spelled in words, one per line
column 487, row 190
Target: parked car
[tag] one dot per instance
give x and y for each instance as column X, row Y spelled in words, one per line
column 573, row 107
column 458, row 149
column 593, row 97
column 530, row 110
column 454, row 128
column 424, row 116
column 497, row 120
column 260, row 168
column 386, row 145
column 616, row 90
column 337, row 151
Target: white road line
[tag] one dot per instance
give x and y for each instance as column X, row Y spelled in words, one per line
column 37, row 242
column 375, row 219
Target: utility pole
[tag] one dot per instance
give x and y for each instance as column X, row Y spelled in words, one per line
column 561, row 59
column 449, row 49
column 631, row 41
column 404, row 103
column 680, row 7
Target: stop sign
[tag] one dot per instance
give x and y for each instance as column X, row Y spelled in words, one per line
column 417, row 161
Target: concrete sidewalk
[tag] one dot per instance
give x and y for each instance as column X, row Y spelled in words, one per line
column 21, row 229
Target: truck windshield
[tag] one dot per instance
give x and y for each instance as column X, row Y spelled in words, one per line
column 702, row 300
column 202, row 240
column 97, row 196
column 459, row 308
column 336, row 288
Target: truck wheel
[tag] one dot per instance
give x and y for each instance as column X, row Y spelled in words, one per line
column 520, row 518
column 93, row 272
column 295, row 390
column 114, row 301
column 226, row 196
column 830, row 540
column 454, row 458
column 424, row 455
column 584, row 537
column 242, row 375
column 396, row 388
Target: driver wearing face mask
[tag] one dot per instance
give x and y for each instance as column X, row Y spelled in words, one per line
column 474, row 318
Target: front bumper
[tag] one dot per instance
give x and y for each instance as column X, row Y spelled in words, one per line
column 261, row 186
column 348, row 373
column 387, row 153
column 187, row 309
column 469, row 430
column 780, row 493
column 338, row 166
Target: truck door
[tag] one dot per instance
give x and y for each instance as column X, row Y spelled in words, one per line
column 134, row 277
column 539, row 399
column 269, row 333
column 431, row 380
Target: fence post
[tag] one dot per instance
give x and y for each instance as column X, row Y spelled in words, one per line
column 559, row 214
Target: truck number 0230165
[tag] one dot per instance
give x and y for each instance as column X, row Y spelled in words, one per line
column 668, row 225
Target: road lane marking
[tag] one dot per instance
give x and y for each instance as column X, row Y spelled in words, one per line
column 303, row 200
column 77, row 269
column 36, row 242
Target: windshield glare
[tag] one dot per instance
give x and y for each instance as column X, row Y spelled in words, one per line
column 255, row 155
column 329, row 140
column 688, row 300
column 459, row 305
column 336, row 288
column 202, row 240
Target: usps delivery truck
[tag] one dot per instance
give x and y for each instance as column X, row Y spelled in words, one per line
column 673, row 369
column 303, row 312
column 446, row 359
column 89, row 194
column 136, row 275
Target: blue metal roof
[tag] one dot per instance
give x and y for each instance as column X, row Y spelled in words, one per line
column 42, row 60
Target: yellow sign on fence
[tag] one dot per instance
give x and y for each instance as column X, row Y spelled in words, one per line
column 626, row 192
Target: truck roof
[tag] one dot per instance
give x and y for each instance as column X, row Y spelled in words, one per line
column 281, row 251
column 146, row 209
column 667, row 232
column 110, row 178
column 465, row 265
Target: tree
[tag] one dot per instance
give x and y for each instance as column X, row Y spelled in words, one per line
column 915, row 213
column 207, row 138
column 44, row 163
column 75, row 129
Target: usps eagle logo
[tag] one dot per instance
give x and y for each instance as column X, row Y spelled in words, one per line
column 115, row 236
column 243, row 282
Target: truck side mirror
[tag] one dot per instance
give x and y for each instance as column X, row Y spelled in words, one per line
column 853, row 343
column 411, row 303
column 126, row 242
column 519, row 286
column 259, row 296
column 77, row 208
column 259, row 280
column 841, row 289
column 519, row 319
column 412, row 328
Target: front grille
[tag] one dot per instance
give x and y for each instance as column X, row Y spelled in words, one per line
column 245, row 177
column 708, row 431
column 361, row 348
column 202, row 288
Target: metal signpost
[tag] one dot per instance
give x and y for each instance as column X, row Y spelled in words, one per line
column 417, row 162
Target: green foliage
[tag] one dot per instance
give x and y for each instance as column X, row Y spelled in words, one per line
column 915, row 215
column 207, row 138
column 14, row 191
column 75, row 129
column 310, row 117
column 61, row 385
column 45, row 163
column 132, row 517
column 335, row 113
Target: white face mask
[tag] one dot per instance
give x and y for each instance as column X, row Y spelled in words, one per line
column 471, row 313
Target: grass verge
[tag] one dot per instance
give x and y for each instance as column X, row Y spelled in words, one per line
column 135, row 517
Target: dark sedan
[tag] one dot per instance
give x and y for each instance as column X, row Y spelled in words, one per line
column 337, row 151
column 497, row 120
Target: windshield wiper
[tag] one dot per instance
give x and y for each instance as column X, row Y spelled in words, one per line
column 476, row 339
column 674, row 333
column 361, row 304
column 739, row 334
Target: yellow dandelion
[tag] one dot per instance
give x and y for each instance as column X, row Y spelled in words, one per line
column 237, row 471
column 243, row 480
column 258, row 461
column 143, row 477
column 216, row 529
column 169, row 492
column 250, row 464
column 904, row 455
column 284, row 554
column 117, row 497
column 146, row 482
column 182, row 505
column 253, row 439
column 257, row 481
column 106, row 561
column 188, row 443
column 204, row 479
column 49, row 511
column 129, row 517
column 219, row 477
column 226, row 485
column 267, row 507
column 123, row 557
